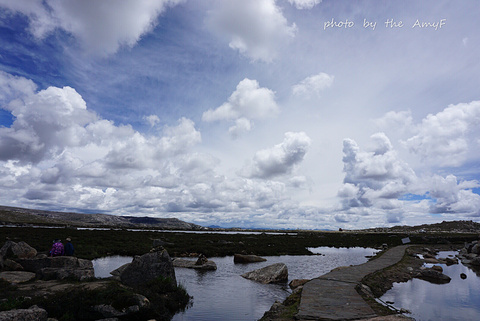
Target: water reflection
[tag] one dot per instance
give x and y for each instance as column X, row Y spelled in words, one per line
column 457, row 300
column 103, row 266
column 224, row 295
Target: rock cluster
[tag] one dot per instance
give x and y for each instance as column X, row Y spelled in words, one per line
column 470, row 254
column 22, row 257
column 20, row 263
column 34, row 313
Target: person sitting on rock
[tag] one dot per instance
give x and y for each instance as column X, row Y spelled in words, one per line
column 57, row 248
column 69, row 247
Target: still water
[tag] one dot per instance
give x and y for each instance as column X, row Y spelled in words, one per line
column 224, row 295
column 457, row 300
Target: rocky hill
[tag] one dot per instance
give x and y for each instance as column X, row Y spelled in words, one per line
column 23, row 216
column 445, row 226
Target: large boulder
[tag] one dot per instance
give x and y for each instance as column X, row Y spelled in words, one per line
column 19, row 250
column 59, row 268
column 148, row 267
column 33, row 313
column 242, row 258
column 476, row 248
column 274, row 273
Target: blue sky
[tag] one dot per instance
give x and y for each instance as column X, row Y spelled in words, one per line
column 243, row 113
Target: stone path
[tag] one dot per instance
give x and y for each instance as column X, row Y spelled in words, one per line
column 332, row 296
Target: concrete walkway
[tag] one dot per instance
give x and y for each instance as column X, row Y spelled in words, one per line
column 332, row 296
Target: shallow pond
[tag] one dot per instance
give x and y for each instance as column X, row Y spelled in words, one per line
column 457, row 300
column 224, row 295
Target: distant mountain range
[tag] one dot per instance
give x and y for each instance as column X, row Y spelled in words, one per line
column 22, row 216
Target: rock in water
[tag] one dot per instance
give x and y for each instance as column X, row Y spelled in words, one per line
column 206, row 265
column 148, row 267
column 434, row 276
column 274, row 273
column 241, row 258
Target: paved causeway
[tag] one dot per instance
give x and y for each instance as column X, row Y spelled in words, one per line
column 332, row 296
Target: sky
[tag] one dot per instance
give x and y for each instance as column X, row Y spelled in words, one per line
column 289, row 114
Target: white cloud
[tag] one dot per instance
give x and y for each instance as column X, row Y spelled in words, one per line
column 14, row 87
column 304, row 4
column 452, row 196
column 242, row 125
column 373, row 175
column 248, row 100
column 59, row 152
column 280, row 159
column 102, row 27
column 446, row 138
column 256, row 28
column 152, row 120
column 313, row 84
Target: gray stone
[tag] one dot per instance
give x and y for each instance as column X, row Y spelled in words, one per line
column 433, row 276
column 141, row 300
column 476, row 249
column 10, row 265
column 23, row 251
column 17, row 276
column 33, row 313
column 297, row 282
column 108, row 311
column 118, row 272
column 148, row 267
column 60, row 268
column 241, row 258
column 475, row 261
column 184, row 263
column 274, row 273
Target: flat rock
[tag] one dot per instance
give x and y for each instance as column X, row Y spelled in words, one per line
column 274, row 273
column 17, row 276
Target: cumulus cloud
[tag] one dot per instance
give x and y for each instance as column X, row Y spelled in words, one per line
column 313, row 84
column 101, row 27
column 280, row 159
column 377, row 181
column 59, row 152
column 45, row 123
column 373, row 175
column 152, row 120
column 242, row 125
column 304, row 4
column 248, row 101
column 446, row 138
column 256, row 28
column 452, row 196
column 398, row 123
column 14, row 87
